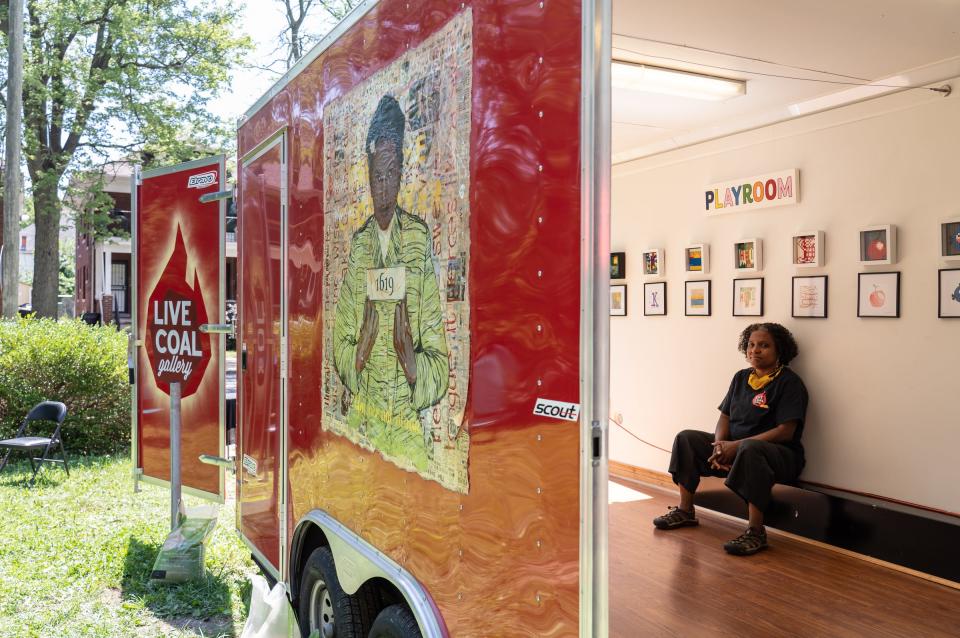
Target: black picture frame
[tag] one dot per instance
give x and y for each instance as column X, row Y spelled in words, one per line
column 940, row 293
column 793, row 296
column 734, row 306
column 861, row 277
column 617, row 312
column 618, row 265
column 708, row 300
column 663, row 286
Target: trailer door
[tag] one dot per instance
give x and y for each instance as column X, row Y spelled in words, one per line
column 262, row 353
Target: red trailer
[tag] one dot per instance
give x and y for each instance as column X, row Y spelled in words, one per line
column 423, row 321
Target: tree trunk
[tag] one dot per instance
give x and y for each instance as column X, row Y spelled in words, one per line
column 46, row 258
column 13, row 178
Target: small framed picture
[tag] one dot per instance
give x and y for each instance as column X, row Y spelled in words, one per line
column 949, row 306
column 878, row 294
column 809, row 297
column 950, row 239
column 748, row 255
column 748, row 297
column 618, row 300
column 878, row 245
column 618, row 265
column 655, row 298
column 653, row 262
column 808, row 249
column 696, row 258
column 697, row 298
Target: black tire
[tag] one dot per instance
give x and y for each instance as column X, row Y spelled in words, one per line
column 324, row 605
column 395, row 621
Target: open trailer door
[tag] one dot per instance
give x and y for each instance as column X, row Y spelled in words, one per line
column 178, row 286
column 262, row 353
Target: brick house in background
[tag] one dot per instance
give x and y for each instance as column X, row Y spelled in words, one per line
column 103, row 268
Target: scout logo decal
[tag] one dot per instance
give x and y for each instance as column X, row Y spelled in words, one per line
column 202, row 180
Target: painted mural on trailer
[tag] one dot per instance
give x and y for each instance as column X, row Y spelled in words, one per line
column 396, row 304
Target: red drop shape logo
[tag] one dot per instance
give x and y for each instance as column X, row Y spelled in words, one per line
column 177, row 350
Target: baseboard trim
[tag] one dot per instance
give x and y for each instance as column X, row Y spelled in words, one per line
column 662, row 480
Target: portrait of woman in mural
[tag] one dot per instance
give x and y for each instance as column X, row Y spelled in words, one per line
column 390, row 351
column 396, row 245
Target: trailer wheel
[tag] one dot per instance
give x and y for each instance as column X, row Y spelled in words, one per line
column 324, row 607
column 395, row 621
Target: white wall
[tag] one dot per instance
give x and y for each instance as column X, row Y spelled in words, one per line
column 884, row 415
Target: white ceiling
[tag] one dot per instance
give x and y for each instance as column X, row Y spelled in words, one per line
column 889, row 42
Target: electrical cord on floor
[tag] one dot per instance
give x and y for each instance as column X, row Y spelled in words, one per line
column 620, row 425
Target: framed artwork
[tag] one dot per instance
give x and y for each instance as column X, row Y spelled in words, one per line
column 748, row 297
column 949, row 304
column 878, row 245
column 696, row 258
column 618, row 265
column 655, row 298
column 748, row 255
column 807, row 249
column 809, row 297
column 618, row 300
column 878, row 294
column 950, row 239
column 653, row 262
column 697, row 298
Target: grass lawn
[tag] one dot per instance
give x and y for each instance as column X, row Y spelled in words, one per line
column 76, row 555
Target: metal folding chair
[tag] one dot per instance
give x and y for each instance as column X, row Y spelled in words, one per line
column 52, row 411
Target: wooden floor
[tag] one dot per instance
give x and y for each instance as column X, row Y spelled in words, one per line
column 682, row 583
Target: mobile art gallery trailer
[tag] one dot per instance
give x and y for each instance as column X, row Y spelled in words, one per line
column 423, row 321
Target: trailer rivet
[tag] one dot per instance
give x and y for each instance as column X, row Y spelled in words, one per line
column 541, row 5
column 539, row 220
column 459, row 595
column 460, row 507
column 539, row 490
column 540, row 274
column 540, row 168
column 538, row 595
column 539, row 437
column 539, row 382
column 541, row 59
column 539, row 328
column 539, row 543
column 460, row 552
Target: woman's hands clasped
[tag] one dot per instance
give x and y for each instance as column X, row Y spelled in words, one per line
column 723, row 454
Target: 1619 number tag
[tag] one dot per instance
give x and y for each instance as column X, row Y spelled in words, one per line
column 387, row 284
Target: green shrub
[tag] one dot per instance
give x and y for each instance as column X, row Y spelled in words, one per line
column 83, row 366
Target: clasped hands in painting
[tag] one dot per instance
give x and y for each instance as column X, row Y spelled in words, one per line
column 402, row 338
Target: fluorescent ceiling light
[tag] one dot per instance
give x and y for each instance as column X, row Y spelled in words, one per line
column 654, row 79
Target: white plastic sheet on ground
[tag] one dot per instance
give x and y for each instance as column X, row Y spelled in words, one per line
column 270, row 613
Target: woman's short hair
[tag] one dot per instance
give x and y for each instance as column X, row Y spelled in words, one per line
column 782, row 339
column 388, row 123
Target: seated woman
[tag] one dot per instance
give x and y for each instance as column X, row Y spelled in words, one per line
column 757, row 440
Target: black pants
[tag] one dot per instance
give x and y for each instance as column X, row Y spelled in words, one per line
column 756, row 468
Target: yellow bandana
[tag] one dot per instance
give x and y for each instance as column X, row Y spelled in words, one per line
column 757, row 383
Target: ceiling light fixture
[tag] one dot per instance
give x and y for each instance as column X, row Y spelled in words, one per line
column 654, row 79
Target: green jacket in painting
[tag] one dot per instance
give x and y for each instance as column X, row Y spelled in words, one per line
column 383, row 408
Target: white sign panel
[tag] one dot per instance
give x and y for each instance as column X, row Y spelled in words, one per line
column 750, row 193
column 557, row 409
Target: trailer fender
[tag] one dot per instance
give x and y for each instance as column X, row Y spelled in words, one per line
column 358, row 562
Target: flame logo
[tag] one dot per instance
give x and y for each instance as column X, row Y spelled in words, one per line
column 177, row 350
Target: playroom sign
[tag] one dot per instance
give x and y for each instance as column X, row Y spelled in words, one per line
column 750, row 193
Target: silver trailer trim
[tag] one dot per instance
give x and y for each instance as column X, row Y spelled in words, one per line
column 357, row 561
column 352, row 18
column 595, row 162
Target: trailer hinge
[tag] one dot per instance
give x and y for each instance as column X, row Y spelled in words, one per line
column 597, row 438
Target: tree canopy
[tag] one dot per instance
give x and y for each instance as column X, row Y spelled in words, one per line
column 107, row 77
